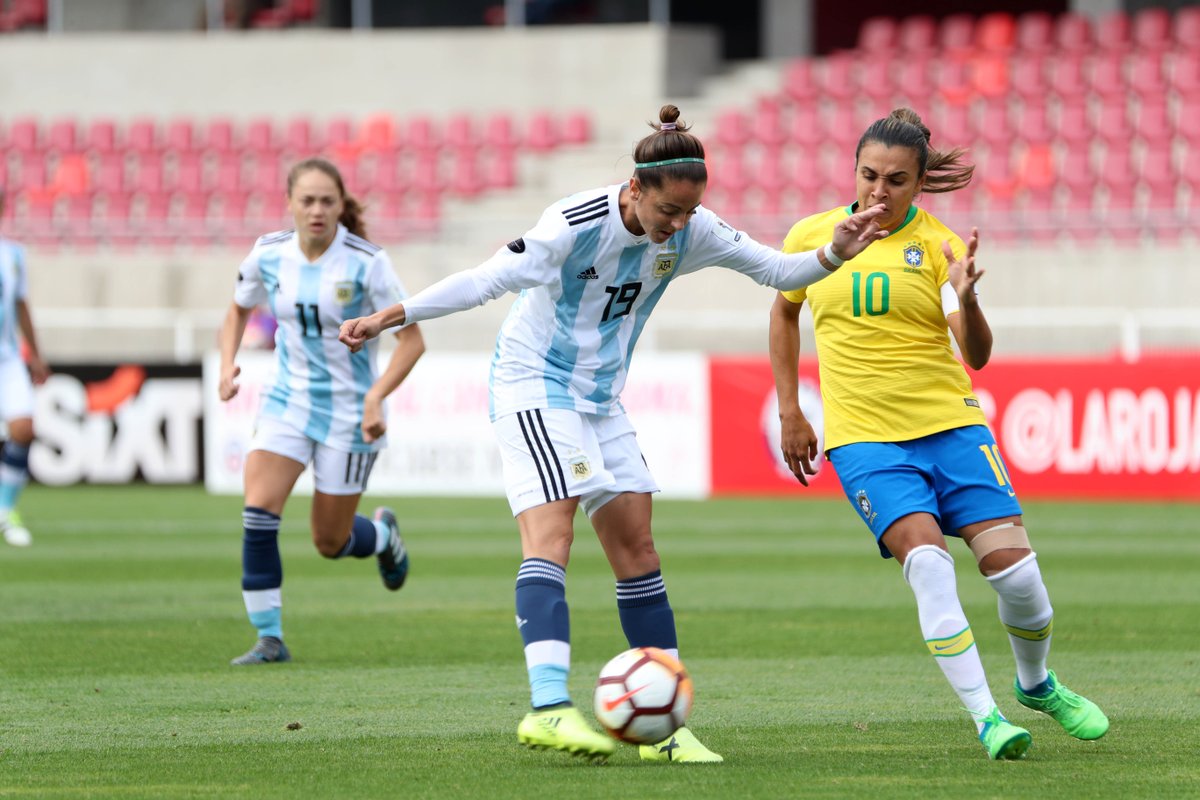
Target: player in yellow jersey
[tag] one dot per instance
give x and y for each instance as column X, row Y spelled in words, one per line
column 904, row 430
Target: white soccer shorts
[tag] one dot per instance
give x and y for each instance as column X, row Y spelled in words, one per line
column 551, row 453
column 16, row 390
column 334, row 471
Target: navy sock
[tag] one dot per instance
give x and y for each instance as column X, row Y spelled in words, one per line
column 544, row 623
column 361, row 543
column 261, row 566
column 646, row 616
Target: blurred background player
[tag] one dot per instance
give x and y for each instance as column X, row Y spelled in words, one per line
column 16, row 391
column 904, row 430
column 326, row 404
column 589, row 274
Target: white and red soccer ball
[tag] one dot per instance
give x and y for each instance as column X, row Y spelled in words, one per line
column 643, row 695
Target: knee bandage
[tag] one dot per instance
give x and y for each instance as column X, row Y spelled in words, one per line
column 1008, row 536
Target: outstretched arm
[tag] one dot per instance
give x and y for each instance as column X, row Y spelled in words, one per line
column 969, row 326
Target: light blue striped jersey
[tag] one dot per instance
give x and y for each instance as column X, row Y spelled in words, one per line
column 319, row 384
column 587, row 286
column 14, row 285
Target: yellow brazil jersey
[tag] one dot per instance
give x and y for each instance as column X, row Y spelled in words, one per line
column 888, row 371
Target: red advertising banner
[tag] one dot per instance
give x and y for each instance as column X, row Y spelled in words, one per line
column 1067, row 428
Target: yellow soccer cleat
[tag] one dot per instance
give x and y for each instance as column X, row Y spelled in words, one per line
column 564, row 729
column 681, row 747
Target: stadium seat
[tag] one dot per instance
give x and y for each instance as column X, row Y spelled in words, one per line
column 914, row 79
column 541, row 132
column 837, row 77
column 1073, row 34
column 460, row 133
column 61, row 137
column 219, row 135
column 800, row 82
column 577, row 128
column 1185, row 74
column 1068, row 78
column 1078, row 176
column 1034, row 34
column 1038, row 177
column 1034, row 123
column 226, row 175
column 299, row 139
column 733, row 130
column 142, row 136
column 1153, row 120
column 260, row 136
column 1187, row 123
column 1146, row 75
column 1074, row 124
column 954, row 82
column 804, row 127
column 989, row 76
column 24, row 135
column 101, row 136
column 377, row 134
column 1107, row 79
column 500, row 169
column 918, row 35
column 875, row 79
column 878, row 35
column 1159, row 177
column 956, row 36
column 996, row 33
column 498, row 132
column 384, row 173
column 953, row 125
column 71, row 175
column 425, row 174
column 422, row 135
column 1112, row 32
column 1112, row 122
column 1152, row 29
column 995, row 129
column 180, row 136
column 1028, row 78
column 148, row 178
column 466, row 180
column 1186, row 28
column 188, row 173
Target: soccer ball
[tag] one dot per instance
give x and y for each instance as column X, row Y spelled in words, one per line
column 643, row 695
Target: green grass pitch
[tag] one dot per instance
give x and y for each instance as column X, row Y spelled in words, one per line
column 116, row 628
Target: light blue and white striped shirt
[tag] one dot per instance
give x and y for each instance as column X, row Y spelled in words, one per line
column 319, row 385
column 587, row 286
column 14, row 286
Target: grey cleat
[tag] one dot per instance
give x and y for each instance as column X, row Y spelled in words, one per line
column 267, row 650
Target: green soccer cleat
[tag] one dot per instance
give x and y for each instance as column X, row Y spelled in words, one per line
column 393, row 559
column 15, row 533
column 681, row 747
column 1079, row 716
column 564, row 728
column 267, row 650
column 1002, row 739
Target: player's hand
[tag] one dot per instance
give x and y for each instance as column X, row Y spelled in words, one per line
column 373, row 422
column 855, row 233
column 798, row 441
column 963, row 274
column 355, row 332
column 228, row 387
column 38, row 370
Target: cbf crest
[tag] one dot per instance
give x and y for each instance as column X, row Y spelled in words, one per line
column 343, row 292
column 864, row 505
column 664, row 263
column 914, row 255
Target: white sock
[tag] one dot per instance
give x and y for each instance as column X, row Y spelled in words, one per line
column 1026, row 612
column 383, row 537
column 929, row 570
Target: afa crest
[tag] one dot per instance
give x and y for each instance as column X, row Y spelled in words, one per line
column 664, row 263
column 914, row 255
column 343, row 292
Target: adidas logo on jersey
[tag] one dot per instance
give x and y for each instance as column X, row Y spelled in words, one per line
column 588, row 274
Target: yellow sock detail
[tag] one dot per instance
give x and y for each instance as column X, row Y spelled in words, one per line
column 954, row 645
column 1033, row 636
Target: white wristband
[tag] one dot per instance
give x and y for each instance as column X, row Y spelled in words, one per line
column 837, row 262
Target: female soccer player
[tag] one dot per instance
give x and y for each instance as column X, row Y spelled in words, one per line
column 325, row 405
column 589, row 274
column 904, row 430
column 16, row 391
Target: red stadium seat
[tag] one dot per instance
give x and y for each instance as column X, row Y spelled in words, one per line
column 837, row 77
column 541, row 134
column 460, row 133
column 385, row 173
column 109, row 172
column 1113, row 32
column 989, row 76
column 956, row 36
column 999, row 181
column 805, row 127
column 377, row 134
column 142, row 136
column 1073, row 34
column 188, row 174
column 1034, row 33
column 423, row 135
column 1186, row 28
column 1034, row 123
column 299, row 139
column 149, row 176
column 995, row 129
column 1078, row 176
column 577, row 128
column 954, row 125
column 1074, row 124
column 767, row 126
column 875, row 79
column 260, row 136
column 1108, row 75
column 1159, row 176
column 800, row 82
column 180, row 136
column 1028, row 78
column 915, row 79
column 1146, row 75
column 219, row 135
column 227, row 174
column 1068, row 77
column 1187, row 124
column 1112, row 122
column 498, row 132
column 24, row 135
column 426, row 173
column 954, row 82
column 1152, row 29
column 1038, row 177
column 733, row 130
column 1185, row 73
column 466, row 180
column 877, row 34
column 500, row 169
column 101, row 136
column 996, row 33
column 61, row 137
column 918, row 35
column 1154, row 120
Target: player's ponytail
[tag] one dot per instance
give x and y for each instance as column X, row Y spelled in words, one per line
column 352, row 211
column 670, row 153
column 943, row 171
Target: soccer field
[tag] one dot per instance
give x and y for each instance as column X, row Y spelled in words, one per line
column 811, row 675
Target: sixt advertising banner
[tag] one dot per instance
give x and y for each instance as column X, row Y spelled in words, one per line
column 115, row 424
column 1068, row 428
